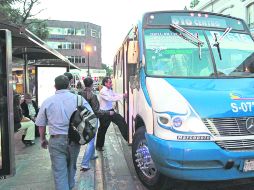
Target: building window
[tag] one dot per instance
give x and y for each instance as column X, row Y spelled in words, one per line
column 71, row 31
column 76, row 59
column 95, row 33
column 80, row 32
column 68, row 31
column 55, row 45
column 56, row 31
column 250, row 15
column 64, row 45
column 71, row 58
column 77, row 46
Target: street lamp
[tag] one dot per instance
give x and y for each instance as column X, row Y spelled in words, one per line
column 88, row 50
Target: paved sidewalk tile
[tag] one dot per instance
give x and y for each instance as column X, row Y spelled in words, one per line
column 33, row 169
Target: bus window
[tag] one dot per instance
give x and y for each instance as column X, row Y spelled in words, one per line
column 170, row 55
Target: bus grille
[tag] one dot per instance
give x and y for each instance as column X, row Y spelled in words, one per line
column 222, row 127
column 237, row 145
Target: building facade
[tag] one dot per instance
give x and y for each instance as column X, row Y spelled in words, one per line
column 243, row 9
column 72, row 39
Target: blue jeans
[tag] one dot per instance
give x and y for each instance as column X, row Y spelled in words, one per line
column 63, row 159
column 90, row 149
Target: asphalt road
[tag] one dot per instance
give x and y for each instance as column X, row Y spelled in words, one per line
column 120, row 156
column 118, row 175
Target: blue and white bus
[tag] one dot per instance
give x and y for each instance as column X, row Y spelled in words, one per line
column 190, row 107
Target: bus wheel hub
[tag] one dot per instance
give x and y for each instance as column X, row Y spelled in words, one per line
column 145, row 162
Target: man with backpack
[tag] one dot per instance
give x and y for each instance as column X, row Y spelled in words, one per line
column 55, row 112
column 88, row 94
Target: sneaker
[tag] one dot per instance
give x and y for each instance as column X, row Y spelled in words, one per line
column 99, row 149
column 28, row 142
column 84, row 169
column 94, row 157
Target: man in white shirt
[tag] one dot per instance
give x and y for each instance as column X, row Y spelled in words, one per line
column 107, row 97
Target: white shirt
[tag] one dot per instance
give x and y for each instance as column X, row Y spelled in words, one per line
column 107, row 97
column 31, row 110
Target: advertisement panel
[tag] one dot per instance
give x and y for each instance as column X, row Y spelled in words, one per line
column 45, row 81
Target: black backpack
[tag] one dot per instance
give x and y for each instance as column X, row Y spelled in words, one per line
column 83, row 124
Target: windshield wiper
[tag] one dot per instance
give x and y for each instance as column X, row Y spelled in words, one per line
column 194, row 40
column 199, row 46
column 217, row 41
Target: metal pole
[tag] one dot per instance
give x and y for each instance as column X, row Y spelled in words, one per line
column 88, row 66
column 25, row 73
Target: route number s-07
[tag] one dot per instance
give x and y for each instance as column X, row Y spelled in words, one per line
column 242, row 106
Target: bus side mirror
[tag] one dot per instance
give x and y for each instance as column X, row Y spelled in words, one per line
column 132, row 52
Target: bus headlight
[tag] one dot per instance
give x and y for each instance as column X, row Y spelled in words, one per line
column 164, row 119
column 179, row 123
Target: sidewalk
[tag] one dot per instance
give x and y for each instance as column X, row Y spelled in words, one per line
column 33, row 169
column 109, row 171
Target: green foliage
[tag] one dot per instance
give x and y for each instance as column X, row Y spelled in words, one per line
column 39, row 28
column 109, row 71
column 6, row 10
column 20, row 13
column 194, row 3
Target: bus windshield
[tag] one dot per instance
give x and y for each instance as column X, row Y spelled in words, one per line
column 169, row 54
column 235, row 50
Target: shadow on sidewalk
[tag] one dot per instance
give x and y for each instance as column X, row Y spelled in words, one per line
column 33, row 169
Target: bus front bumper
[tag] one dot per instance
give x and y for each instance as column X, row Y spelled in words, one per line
column 201, row 161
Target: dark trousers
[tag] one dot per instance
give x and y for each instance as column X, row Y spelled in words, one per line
column 104, row 124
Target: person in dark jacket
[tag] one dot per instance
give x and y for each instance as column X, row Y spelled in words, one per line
column 30, row 110
column 29, row 107
column 91, row 98
column 71, row 80
column 17, row 111
column 23, row 123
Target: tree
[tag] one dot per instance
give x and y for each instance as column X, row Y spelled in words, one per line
column 194, row 3
column 109, row 71
column 6, row 10
column 20, row 12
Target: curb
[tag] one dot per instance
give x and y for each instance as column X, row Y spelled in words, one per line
column 99, row 172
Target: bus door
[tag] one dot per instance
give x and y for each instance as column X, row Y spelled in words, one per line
column 125, row 84
column 133, row 87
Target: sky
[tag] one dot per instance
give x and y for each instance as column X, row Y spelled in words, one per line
column 116, row 17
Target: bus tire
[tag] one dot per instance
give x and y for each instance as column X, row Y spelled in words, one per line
column 145, row 168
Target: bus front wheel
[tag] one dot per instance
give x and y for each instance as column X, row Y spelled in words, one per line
column 144, row 165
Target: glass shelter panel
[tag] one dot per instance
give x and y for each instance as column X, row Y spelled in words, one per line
column 6, row 107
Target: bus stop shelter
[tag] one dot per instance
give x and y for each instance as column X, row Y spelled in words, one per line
column 28, row 47
column 19, row 44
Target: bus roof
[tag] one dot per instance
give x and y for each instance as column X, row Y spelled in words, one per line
column 192, row 19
